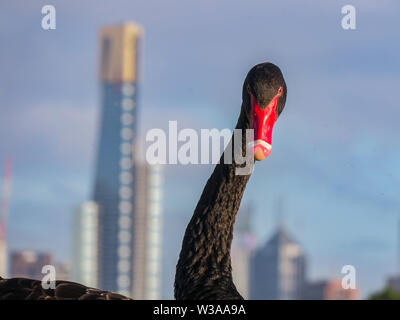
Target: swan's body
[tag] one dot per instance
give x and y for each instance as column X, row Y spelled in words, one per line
column 204, row 267
column 28, row 289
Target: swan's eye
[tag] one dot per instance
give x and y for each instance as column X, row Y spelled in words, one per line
column 280, row 91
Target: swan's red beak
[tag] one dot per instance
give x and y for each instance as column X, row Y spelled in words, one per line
column 262, row 122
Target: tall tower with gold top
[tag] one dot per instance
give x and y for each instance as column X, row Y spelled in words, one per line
column 115, row 170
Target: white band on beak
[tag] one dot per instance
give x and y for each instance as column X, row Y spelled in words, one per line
column 260, row 142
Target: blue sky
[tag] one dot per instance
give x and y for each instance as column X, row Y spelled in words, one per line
column 335, row 159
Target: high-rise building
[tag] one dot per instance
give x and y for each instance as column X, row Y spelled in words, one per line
column 29, row 264
column 115, row 174
column 3, row 252
column 147, row 232
column 278, row 269
column 85, row 244
column 5, row 195
column 126, row 192
column 243, row 245
column 328, row 290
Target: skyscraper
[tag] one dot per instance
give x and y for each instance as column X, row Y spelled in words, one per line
column 115, row 174
column 147, row 232
column 3, row 251
column 278, row 269
column 5, row 195
column 85, row 244
column 242, row 248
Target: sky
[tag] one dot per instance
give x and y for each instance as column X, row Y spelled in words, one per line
column 334, row 169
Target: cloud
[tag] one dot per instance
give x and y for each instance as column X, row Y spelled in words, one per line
column 51, row 132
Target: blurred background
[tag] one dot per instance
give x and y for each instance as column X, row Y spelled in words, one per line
column 76, row 103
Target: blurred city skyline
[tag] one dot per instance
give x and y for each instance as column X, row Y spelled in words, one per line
column 335, row 148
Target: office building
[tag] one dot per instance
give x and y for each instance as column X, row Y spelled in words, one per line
column 278, row 269
column 29, row 264
column 328, row 290
column 243, row 245
column 115, row 173
column 3, row 251
column 5, row 196
column 85, row 244
column 147, row 233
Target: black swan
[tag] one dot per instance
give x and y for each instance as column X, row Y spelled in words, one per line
column 204, row 267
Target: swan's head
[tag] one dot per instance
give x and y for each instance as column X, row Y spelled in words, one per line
column 264, row 97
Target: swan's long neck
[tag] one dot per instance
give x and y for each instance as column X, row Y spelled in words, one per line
column 204, row 267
